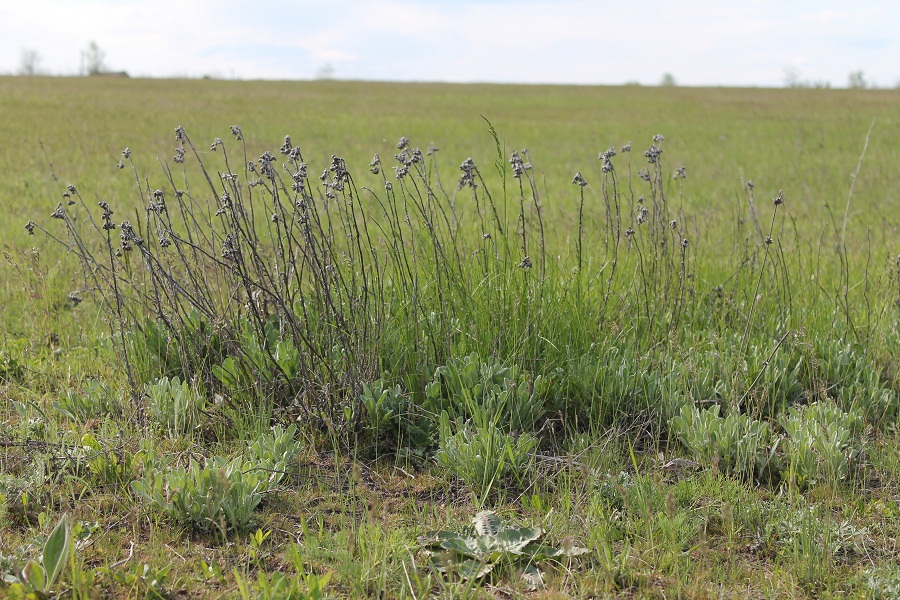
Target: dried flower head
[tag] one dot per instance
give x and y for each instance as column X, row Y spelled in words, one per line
column 526, row 263
column 579, row 180
column 402, row 143
column 74, row 298
column 684, row 244
column 216, row 143
column 179, row 134
column 286, row 147
column 29, row 226
column 59, row 213
column 626, row 147
column 126, row 153
column 179, row 154
column 629, row 232
column 237, row 133
column 120, row 165
column 375, row 165
column 769, row 240
column 468, row 174
column 779, row 199
column 653, row 153
column 518, row 166
column 431, row 149
column 673, row 223
column 680, row 173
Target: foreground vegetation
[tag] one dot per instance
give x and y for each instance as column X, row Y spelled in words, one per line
column 233, row 373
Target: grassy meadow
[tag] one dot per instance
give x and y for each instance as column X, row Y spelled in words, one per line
column 447, row 340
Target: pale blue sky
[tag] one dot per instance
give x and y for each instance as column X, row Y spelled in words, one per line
column 700, row 42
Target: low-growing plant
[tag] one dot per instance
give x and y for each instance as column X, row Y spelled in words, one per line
column 467, row 386
column 107, row 465
column 822, row 443
column 482, row 455
column 38, row 576
column 221, row 494
column 279, row 586
column 173, row 406
column 95, row 401
column 490, row 546
column 735, row 443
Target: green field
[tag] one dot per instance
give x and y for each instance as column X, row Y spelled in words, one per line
column 440, row 347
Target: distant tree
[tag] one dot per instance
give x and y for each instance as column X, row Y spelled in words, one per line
column 29, row 62
column 94, row 59
column 668, row 80
column 326, row 71
column 792, row 78
column 857, row 81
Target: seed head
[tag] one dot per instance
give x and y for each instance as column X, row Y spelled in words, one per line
column 468, row 174
column 626, row 147
column 579, row 180
column 29, row 226
column 402, row 143
column 216, row 143
column 286, row 146
column 236, row 132
column 126, row 153
column 526, row 263
column 779, row 199
column 59, row 213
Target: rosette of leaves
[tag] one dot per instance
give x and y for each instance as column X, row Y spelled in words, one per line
column 491, row 545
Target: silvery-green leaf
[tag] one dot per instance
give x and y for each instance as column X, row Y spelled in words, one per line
column 532, row 577
column 487, row 523
column 473, row 569
column 464, row 545
column 515, row 539
column 56, row 549
column 538, row 552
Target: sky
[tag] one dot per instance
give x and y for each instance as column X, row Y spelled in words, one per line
column 698, row 42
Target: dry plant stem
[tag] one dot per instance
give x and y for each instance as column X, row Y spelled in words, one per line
column 762, row 269
column 763, row 370
column 853, row 179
